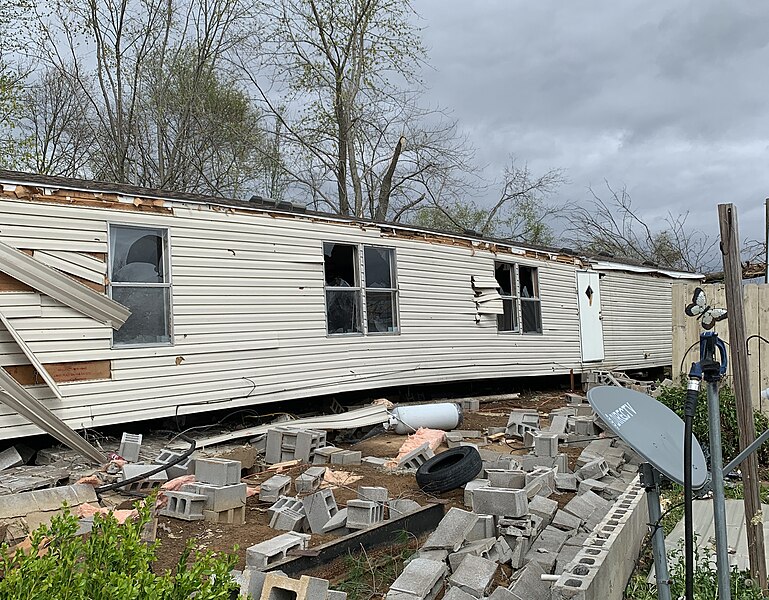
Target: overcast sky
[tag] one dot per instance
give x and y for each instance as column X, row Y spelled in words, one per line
column 667, row 98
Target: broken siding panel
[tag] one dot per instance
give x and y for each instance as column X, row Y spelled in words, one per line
column 65, row 262
column 20, row 304
column 637, row 320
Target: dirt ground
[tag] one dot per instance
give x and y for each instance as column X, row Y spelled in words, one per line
column 221, row 538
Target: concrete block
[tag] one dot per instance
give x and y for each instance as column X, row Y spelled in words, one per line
column 336, row 595
column 261, row 555
column 474, row 575
column 544, row 550
column 323, row 455
column 513, row 480
column 285, row 502
column 217, row 471
column 417, row 457
column 130, row 445
column 593, row 470
column 307, row 442
column 562, row 463
column 310, row 480
column 346, row 457
column 566, row 482
column 375, row 461
column 219, row 497
column 456, row 593
column 500, row 502
column 319, row 508
column 540, row 482
column 544, row 507
column 272, row 452
column 337, row 521
column 379, row 495
column 452, row 531
column 529, row 585
column 276, row 486
column 286, row 519
column 591, row 485
column 280, row 587
column 185, row 467
column 558, row 424
column 437, row 555
column 362, row 514
column 421, row 579
column 531, row 462
column 502, row 593
column 453, row 439
column 546, row 444
column 481, row 547
column 402, row 506
column 469, row 404
column 565, row 521
column 252, row 582
column 470, row 488
column 183, row 505
column 129, row 471
column 233, row 516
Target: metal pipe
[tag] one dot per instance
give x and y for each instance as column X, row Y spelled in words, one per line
column 719, row 504
column 744, row 454
column 650, row 480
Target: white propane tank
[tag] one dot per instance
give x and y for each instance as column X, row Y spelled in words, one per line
column 407, row 419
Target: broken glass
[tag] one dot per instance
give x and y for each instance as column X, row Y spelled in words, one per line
column 339, row 265
column 379, row 267
column 137, row 254
column 380, row 312
column 508, row 321
column 531, row 316
column 504, row 275
column 149, row 320
column 343, row 311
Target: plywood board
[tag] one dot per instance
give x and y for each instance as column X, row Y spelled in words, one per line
column 9, row 284
column 64, row 372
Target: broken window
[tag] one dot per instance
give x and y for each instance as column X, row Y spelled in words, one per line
column 348, row 291
column 139, row 280
column 505, row 276
column 381, row 294
column 343, row 301
column 531, row 310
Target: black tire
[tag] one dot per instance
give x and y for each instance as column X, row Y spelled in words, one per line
column 449, row 470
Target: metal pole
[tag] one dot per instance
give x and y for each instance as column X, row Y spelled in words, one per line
column 719, row 504
column 744, row 454
column 650, row 479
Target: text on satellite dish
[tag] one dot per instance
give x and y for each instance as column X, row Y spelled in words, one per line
column 621, row 415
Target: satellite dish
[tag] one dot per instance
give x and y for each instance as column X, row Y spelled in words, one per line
column 651, row 429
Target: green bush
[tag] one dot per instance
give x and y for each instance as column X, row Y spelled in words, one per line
column 112, row 563
column 674, row 397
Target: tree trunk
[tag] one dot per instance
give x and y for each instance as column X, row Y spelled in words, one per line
column 383, row 206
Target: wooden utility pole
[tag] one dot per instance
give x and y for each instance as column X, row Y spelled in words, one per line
column 738, row 353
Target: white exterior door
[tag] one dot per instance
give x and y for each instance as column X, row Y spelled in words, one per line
column 590, row 325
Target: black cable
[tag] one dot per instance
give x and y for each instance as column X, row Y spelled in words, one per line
column 683, row 358
column 118, row 484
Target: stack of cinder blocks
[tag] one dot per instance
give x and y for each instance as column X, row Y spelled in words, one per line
column 288, row 443
column 218, row 493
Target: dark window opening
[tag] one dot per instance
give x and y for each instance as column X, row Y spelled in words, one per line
column 505, row 276
column 381, row 294
column 343, row 299
column 531, row 306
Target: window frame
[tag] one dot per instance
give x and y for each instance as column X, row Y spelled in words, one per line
column 536, row 299
column 166, row 236
column 518, row 299
column 514, row 297
column 360, row 276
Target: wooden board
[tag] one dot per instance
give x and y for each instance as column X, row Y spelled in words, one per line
column 9, row 284
column 63, row 372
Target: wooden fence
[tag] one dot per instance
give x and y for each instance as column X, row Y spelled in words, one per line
column 686, row 331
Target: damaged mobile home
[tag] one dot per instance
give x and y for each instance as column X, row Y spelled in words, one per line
column 237, row 303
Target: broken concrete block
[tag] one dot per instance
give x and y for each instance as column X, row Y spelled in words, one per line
column 184, row 505
column 474, row 575
column 274, row 487
column 285, row 502
column 286, row 519
column 452, row 531
column 544, row 507
column 184, row 467
column 558, row 424
column 453, row 439
column 261, row 555
column 374, row 460
column 481, row 548
column 456, row 593
column 470, row 488
column 469, row 404
column 10, row 457
column 565, row 521
column 130, row 445
column 323, row 455
column 307, row 443
column 337, row 521
column 417, row 457
column 529, row 584
column 484, row 528
column 502, row 593
column 277, row 587
column 310, row 480
column 217, row 471
column 502, row 478
column 544, row 550
column 501, row 502
column 319, row 508
column 421, row 579
column 540, row 482
column 346, row 457
column 402, row 506
column 546, row 444
column 530, row 462
column 151, row 482
column 591, row 485
column 362, row 514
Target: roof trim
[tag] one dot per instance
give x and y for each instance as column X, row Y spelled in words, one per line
column 66, row 290
column 612, row 266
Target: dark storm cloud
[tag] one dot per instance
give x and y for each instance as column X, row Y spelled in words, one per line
column 669, row 99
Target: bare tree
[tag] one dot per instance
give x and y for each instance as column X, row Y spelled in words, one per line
column 341, row 78
column 614, row 227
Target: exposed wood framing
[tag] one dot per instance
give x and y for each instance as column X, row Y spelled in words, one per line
column 64, row 372
column 66, row 290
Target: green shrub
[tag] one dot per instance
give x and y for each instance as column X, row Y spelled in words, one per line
column 112, row 563
column 674, row 397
